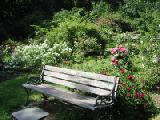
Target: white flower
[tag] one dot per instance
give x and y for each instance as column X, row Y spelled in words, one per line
column 141, row 42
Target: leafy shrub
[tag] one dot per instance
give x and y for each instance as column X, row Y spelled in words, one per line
column 134, row 8
column 132, row 95
column 145, row 12
column 131, row 89
column 25, row 56
column 77, row 31
column 152, row 63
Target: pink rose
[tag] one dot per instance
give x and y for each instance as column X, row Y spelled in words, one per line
column 122, row 49
column 114, row 61
column 114, row 50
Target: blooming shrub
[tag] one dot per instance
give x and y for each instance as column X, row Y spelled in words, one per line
column 80, row 34
column 32, row 55
column 132, row 89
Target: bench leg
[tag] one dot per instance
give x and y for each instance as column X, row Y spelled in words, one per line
column 45, row 99
column 27, row 99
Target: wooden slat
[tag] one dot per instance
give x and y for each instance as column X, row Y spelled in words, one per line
column 80, row 73
column 74, row 98
column 81, row 87
column 117, row 82
column 81, row 80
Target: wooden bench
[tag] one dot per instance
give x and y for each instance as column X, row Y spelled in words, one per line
column 95, row 91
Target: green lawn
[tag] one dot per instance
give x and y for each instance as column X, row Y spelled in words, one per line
column 12, row 95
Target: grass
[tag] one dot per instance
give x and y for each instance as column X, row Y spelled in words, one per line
column 11, row 96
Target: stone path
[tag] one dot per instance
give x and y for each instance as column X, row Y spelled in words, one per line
column 30, row 114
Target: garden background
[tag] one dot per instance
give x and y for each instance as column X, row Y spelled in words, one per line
column 81, row 34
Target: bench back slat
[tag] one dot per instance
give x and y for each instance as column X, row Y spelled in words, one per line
column 81, row 73
column 81, row 80
column 81, row 87
column 116, row 87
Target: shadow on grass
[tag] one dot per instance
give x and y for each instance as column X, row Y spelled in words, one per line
column 4, row 76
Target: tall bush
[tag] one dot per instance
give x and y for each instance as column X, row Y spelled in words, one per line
column 34, row 55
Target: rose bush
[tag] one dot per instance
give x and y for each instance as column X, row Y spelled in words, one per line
column 131, row 88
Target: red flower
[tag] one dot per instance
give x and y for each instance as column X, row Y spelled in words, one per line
column 130, row 77
column 122, row 71
column 128, row 95
column 114, row 61
column 137, row 94
column 129, row 89
column 142, row 95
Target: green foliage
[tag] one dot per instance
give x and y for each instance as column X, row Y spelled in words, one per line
column 132, row 92
column 100, row 9
column 134, row 8
column 66, row 27
column 145, row 12
column 26, row 56
column 152, row 63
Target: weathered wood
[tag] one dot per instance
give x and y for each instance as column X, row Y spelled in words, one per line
column 115, row 91
column 74, row 98
column 81, row 80
column 81, row 87
column 81, row 73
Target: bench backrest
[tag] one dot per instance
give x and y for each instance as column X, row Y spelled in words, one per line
column 98, row 84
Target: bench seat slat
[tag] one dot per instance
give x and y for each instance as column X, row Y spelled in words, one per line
column 80, row 73
column 74, row 98
column 81, row 87
column 81, row 80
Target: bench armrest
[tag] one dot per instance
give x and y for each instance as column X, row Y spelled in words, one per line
column 109, row 98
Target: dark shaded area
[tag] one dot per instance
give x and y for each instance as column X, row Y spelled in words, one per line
column 125, row 27
column 114, row 3
column 18, row 16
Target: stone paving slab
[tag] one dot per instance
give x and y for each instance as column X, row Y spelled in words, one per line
column 30, row 114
